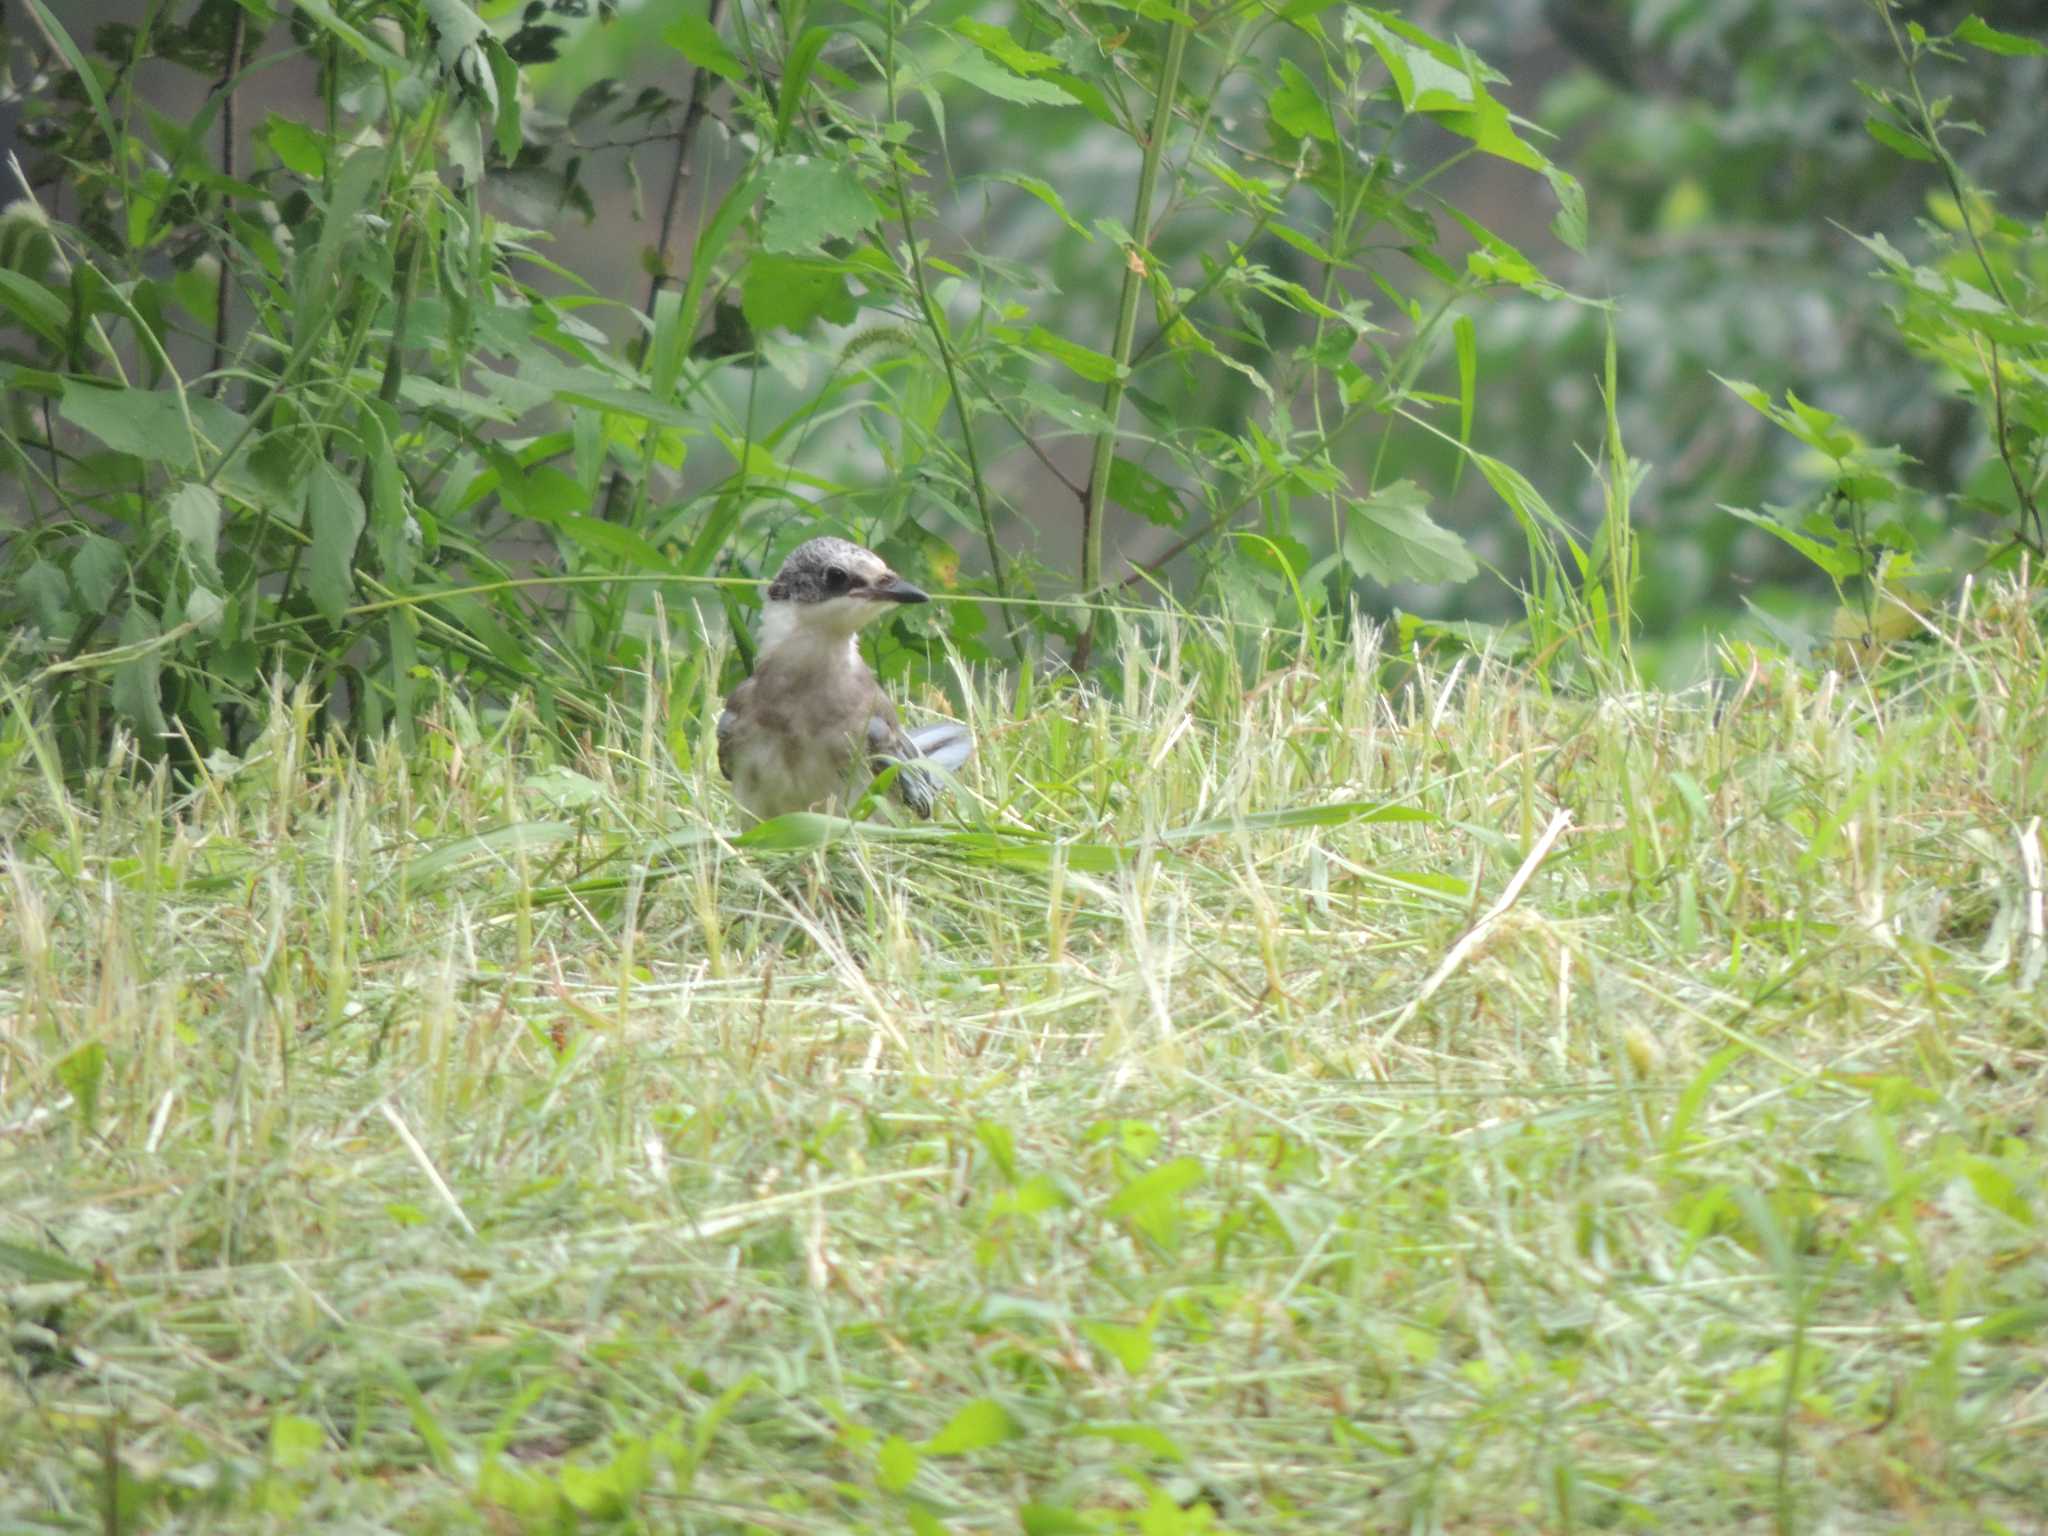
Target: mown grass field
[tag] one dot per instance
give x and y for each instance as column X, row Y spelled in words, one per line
column 1173, row 1141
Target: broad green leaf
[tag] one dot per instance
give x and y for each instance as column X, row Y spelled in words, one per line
column 151, row 424
column 135, row 684
column 1389, row 537
column 1131, row 1348
column 1151, row 1202
column 49, row 598
column 194, row 511
column 296, row 146
column 698, row 41
column 789, row 292
column 895, row 1464
column 1137, row 489
column 98, row 569
column 980, row 1424
column 613, row 539
column 1298, row 108
column 812, row 201
column 334, row 521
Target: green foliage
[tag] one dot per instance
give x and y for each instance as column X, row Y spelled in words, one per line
column 1976, row 310
column 308, row 397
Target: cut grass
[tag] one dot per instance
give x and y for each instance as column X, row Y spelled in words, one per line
column 483, row 1141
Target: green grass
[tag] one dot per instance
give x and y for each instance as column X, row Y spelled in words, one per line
column 483, row 1141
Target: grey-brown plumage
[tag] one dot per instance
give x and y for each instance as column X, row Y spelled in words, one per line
column 812, row 725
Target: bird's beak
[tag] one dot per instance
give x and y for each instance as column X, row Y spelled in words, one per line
column 894, row 589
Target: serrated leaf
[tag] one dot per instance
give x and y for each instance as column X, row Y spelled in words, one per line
column 1136, row 489
column 1005, row 48
column 334, row 520
column 990, row 78
column 788, row 293
column 1298, row 108
column 812, row 201
column 1389, row 537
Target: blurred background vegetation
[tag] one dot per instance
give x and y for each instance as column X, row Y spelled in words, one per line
column 364, row 339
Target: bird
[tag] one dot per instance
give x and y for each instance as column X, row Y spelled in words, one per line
column 811, row 725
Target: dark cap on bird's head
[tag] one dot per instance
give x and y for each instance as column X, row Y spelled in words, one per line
column 825, row 568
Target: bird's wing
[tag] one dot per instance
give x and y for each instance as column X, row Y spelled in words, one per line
column 947, row 745
column 914, row 788
column 735, row 705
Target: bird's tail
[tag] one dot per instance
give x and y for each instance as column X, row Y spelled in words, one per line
column 948, row 743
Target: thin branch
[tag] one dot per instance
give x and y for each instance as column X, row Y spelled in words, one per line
column 1095, row 509
column 224, row 284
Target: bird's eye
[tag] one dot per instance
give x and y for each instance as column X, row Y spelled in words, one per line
column 835, row 579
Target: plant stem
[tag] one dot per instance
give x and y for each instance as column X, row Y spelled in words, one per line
column 224, row 287
column 1093, row 510
column 686, row 140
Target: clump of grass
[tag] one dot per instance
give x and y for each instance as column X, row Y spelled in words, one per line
column 1303, row 1088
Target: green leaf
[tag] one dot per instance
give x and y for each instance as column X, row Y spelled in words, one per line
column 1137, row 489
column 296, row 146
column 698, row 41
column 1335, row 813
column 334, row 519
column 1298, row 108
column 151, row 424
column 812, row 201
column 35, row 306
column 980, row 1424
column 496, row 846
column 1897, row 140
column 789, row 292
column 895, row 1464
column 997, row 43
column 1389, row 537
column 1044, row 192
column 1151, row 1202
column 88, row 81
column 135, row 684
column 1131, row 1348
column 194, row 511
column 1096, row 367
column 796, row 73
column 42, row 1266
column 991, row 79
column 1980, row 34
column 97, row 571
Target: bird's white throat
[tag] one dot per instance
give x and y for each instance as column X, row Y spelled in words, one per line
column 821, row 634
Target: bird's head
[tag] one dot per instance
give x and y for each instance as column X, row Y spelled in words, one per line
column 828, row 587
